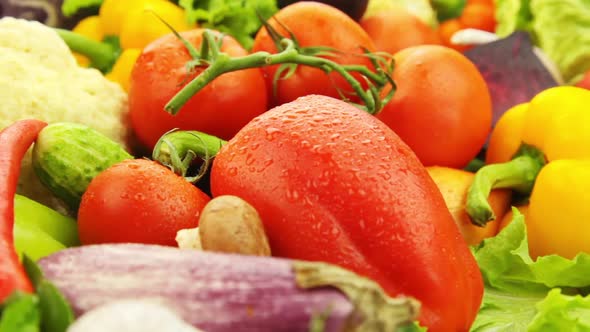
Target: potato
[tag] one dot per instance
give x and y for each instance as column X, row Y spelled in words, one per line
column 230, row 224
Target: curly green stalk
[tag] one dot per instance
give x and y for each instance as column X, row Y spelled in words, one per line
column 219, row 63
column 518, row 174
column 177, row 149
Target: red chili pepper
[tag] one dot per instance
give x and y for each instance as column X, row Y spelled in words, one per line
column 15, row 140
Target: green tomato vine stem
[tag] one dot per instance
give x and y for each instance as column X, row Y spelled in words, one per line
column 219, row 63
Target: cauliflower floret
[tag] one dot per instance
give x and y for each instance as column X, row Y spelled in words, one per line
column 39, row 78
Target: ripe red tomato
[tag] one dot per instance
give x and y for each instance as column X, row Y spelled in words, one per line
column 138, row 201
column 314, row 24
column 221, row 108
column 442, row 106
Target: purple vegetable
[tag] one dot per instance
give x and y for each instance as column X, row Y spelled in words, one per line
column 513, row 71
column 221, row 292
column 47, row 12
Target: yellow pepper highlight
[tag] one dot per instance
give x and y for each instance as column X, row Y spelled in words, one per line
column 121, row 71
column 136, row 23
column 550, row 136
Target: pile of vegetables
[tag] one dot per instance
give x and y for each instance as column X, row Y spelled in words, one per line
column 268, row 165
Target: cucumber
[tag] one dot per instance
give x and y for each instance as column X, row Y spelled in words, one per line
column 67, row 156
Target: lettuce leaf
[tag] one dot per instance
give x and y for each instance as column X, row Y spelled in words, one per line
column 237, row 18
column 558, row 312
column 561, row 28
column 512, row 15
column 526, row 295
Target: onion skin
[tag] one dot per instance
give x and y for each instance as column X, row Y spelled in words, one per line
column 224, row 292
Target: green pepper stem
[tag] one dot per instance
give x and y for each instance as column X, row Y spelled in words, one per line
column 518, row 174
column 220, row 63
column 178, row 148
column 102, row 55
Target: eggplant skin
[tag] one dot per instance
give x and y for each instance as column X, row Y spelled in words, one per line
column 213, row 292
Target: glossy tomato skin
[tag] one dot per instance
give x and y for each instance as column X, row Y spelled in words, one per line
column 395, row 29
column 332, row 183
column 315, row 24
column 220, row 109
column 138, row 201
column 442, row 106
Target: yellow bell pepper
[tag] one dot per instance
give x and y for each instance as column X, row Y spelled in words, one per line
column 121, row 71
column 552, row 165
column 134, row 23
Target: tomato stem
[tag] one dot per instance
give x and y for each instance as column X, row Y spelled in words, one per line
column 220, row 63
column 102, row 55
column 518, row 174
column 177, row 149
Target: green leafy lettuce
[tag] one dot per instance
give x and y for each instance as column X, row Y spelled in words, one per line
column 561, row 28
column 72, row 7
column 237, row 18
column 525, row 295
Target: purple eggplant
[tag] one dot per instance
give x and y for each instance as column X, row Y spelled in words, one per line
column 513, row 71
column 224, row 292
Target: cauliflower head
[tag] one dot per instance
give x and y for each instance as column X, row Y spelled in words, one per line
column 39, row 78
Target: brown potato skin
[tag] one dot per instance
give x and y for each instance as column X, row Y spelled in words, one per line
column 231, row 225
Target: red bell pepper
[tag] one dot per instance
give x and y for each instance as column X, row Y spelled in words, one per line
column 332, row 183
column 15, row 140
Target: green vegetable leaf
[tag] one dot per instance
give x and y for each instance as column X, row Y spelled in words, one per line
column 562, row 30
column 20, row 313
column 71, row 7
column 522, row 294
column 558, row 312
column 512, row 15
column 33, row 270
column 56, row 312
column 237, row 18
column 504, row 312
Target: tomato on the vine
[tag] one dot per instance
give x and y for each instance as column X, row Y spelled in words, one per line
column 315, row 24
column 221, row 108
